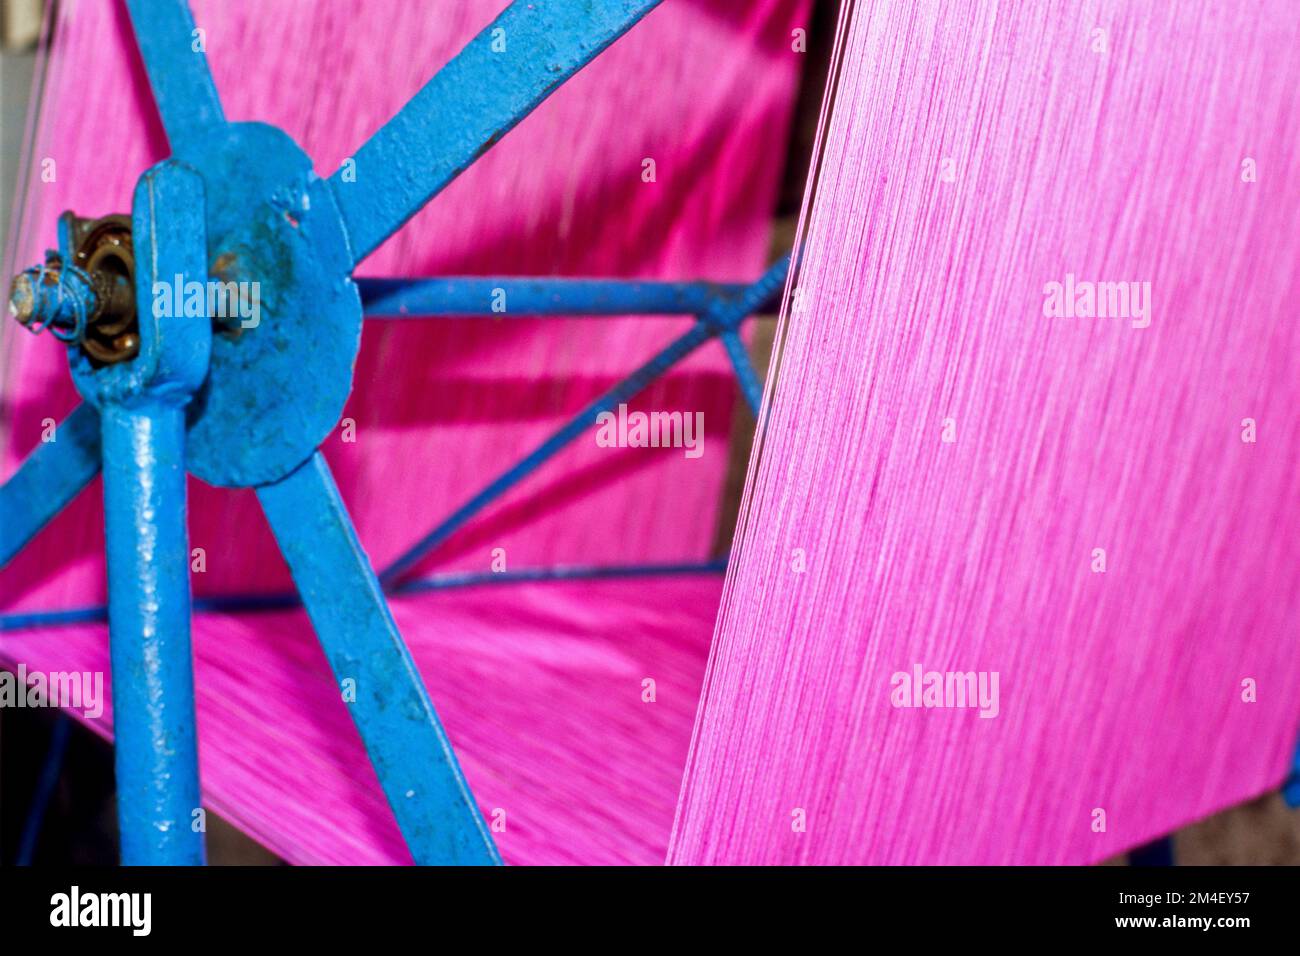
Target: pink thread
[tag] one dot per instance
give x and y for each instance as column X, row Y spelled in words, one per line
column 1119, row 156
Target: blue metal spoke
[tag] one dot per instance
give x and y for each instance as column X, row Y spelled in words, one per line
column 142, row 430
column 48, row 480
column 403, row 736
column 182, row 85
column 750, row 386
column 156, row 746
column 469, row 104
column 420, row 298
column 678, row 349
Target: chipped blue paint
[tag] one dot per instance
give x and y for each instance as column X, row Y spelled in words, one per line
column 277, row 388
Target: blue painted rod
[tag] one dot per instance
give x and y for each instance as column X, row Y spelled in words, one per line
column 182, row 84
column 746, row 375
column 378, row 682
column 25, row 620
column 48, row 480
column 442, row 582
column 278, row 601
column 156, row 750
column 500, row 76
column 420, row 298
column 584, row 420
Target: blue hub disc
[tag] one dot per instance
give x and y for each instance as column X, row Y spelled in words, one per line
column 274, row 389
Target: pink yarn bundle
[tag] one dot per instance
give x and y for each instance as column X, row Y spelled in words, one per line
column 1100, row 511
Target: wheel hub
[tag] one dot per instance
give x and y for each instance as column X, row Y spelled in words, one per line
column 287, row 323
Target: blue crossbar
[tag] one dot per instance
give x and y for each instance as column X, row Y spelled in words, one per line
column 520, row 298
column 721, row 316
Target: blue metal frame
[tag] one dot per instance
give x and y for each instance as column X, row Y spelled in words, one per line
column 156, row 756
column 134, row 417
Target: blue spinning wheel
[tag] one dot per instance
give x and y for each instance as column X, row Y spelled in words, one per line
column 247, row 404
